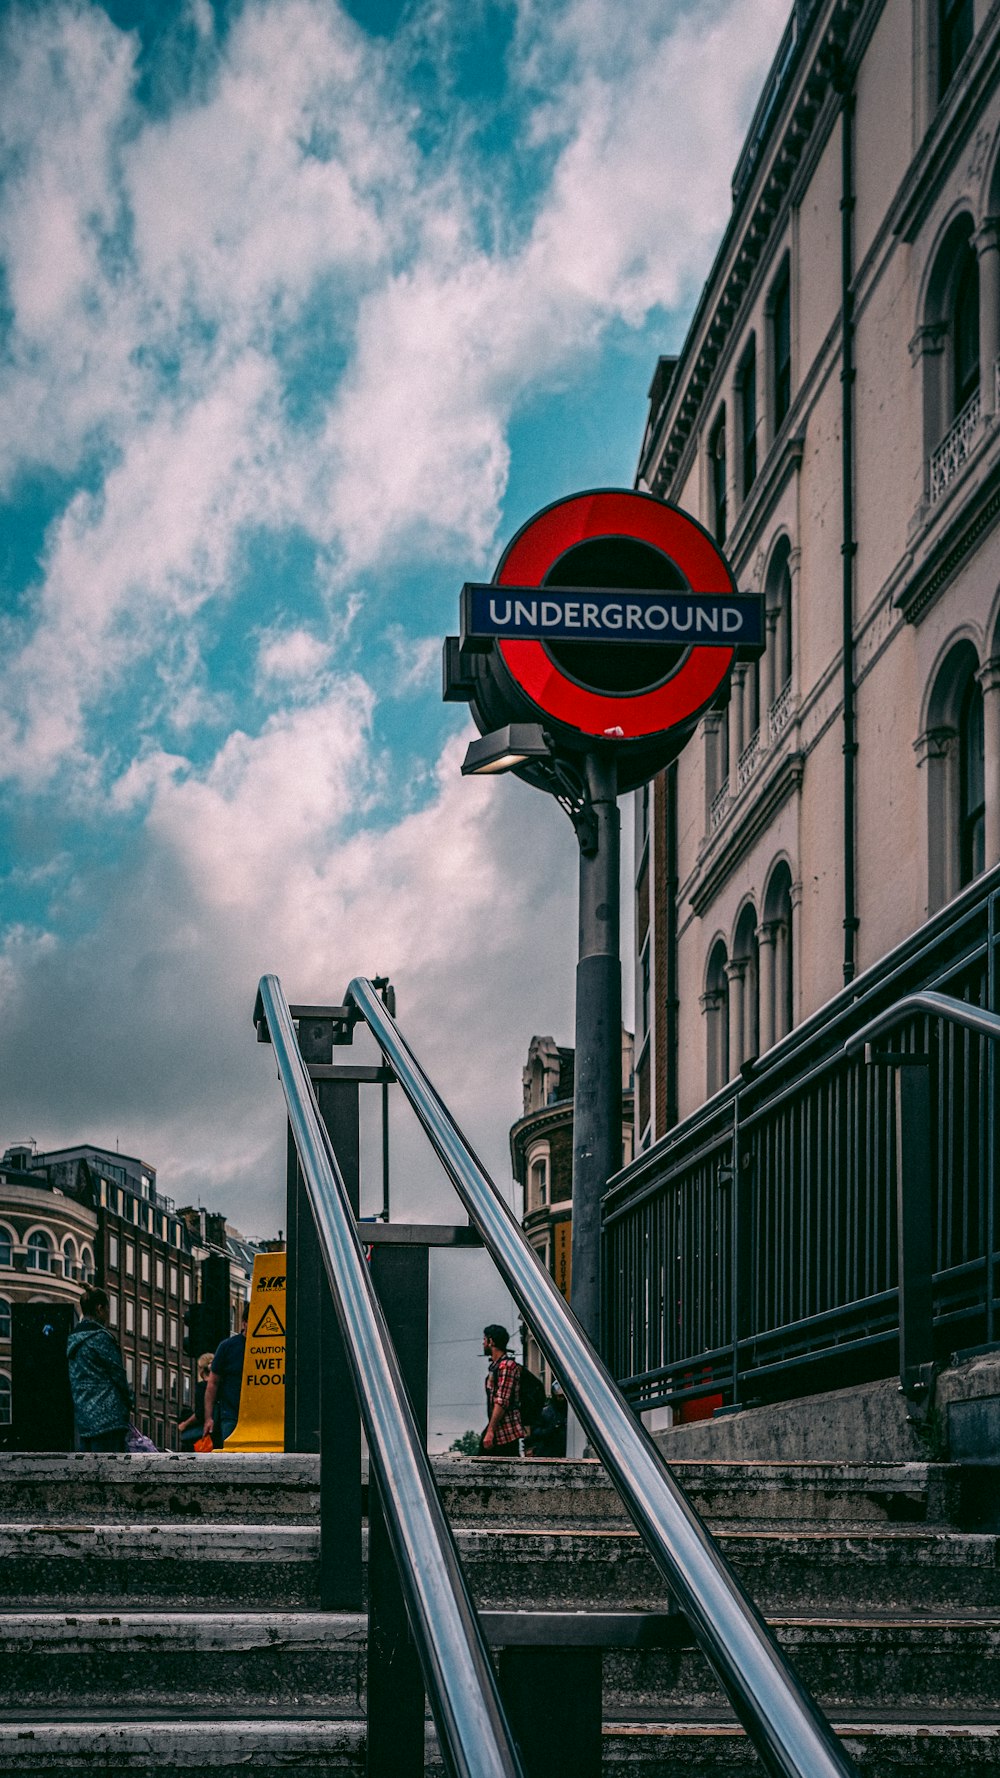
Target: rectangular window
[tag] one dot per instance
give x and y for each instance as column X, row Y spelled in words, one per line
column 159, row 1274
column 955, row 25
column 113, row 1252
column 112, row 1308
column 129, row 1315
column 644, row 989
column 781, row 326
column 159, row 1327
column 173, row 1385
column 187, row 1287
column 145, row 1266
column 173, row 1331
column 144, row 1322
column 159, row 1379
column 186, row 1389
column 129, row 1369
column 748, row 417
column 717, row 465
column 144, row 1379
column 173, row 1280
column 130, row 1259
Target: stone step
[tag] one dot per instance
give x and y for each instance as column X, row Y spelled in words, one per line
column 247, row 1489
column 79, row 1566
column 227, row 1748
column 265, row 1662
column 94, row 1487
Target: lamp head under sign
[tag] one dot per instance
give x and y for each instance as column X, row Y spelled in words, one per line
column 505, row 749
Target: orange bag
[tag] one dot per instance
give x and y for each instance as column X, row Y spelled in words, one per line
column 203, row 1444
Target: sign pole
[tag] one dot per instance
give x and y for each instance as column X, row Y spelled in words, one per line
column 597, row 1087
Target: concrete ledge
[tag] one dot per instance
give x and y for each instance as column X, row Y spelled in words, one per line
column 873, row 1423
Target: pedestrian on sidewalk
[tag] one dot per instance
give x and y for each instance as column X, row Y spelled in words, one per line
column 225, row 1381
column 548, row 1438
column 102, row 1399
column 505, row 1428
column 192, row 1428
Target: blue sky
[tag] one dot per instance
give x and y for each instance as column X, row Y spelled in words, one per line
column 304, row 308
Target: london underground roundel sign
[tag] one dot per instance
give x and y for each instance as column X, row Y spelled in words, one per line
column 612, row 620
column 619, row 517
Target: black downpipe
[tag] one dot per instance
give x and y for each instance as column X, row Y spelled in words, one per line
column 672, row 996
column 843, row 84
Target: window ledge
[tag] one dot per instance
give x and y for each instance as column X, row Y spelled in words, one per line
column 756, row 806
column 944, row 531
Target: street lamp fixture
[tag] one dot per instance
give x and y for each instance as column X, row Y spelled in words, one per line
column 504, row 749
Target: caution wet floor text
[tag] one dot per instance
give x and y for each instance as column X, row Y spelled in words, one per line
column 261, row 1425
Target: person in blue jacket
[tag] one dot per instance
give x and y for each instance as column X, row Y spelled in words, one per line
column 102, row 1399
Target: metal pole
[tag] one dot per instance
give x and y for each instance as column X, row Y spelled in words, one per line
column 597, row 1092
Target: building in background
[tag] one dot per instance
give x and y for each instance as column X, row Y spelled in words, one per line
column 176, row 1280
column 47, row 1247
column 541, row 1152
column 832, row 419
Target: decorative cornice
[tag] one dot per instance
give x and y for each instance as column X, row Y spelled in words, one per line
column 968, row 523
column 743, row 244
column 753, row 815
column 779, row 466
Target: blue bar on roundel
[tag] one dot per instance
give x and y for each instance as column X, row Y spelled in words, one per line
column 604, row 614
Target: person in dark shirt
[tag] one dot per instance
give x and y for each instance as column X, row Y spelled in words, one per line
column 548, row 1438
column 225, row 1380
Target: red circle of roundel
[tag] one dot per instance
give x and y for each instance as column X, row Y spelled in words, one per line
column 615, row 513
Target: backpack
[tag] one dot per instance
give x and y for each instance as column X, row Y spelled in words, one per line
column 531, row 1395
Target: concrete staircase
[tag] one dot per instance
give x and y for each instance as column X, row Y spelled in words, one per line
column 160, row 1613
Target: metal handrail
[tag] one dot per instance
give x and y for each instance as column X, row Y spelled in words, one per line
column 457, row 1671
column 790, row 1733
column 942, row 1006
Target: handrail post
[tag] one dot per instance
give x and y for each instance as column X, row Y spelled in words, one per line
column 395, row 1741
column 914, row 1222
column 320, row 1408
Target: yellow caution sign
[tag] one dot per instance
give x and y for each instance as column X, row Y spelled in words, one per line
column 261, row 1425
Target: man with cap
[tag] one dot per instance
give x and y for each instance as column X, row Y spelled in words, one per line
column 505, row 1429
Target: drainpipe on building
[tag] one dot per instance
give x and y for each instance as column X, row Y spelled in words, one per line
column 672, row 997
column 844, row 85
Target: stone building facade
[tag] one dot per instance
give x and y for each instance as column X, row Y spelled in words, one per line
column 833, row 418
column 48, row 1243
column 541, row 1153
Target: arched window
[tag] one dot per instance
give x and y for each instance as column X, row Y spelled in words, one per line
column 744, row 1027
column 717, row 469
column 4, row 1318
column 951, row 752
column 778, row 656
column 538, row 1179
column 971, row 785
column 39, row 1251
column 965, row 331
column 948, row 347
column 776, row 961
column 6, row 1246
column 715, row 1004
column 4, row 1399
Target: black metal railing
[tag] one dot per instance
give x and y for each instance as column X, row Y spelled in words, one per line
column 790, row 1733
column 753, row 1254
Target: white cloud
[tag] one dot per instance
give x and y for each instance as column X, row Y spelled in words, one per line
column 293, row 657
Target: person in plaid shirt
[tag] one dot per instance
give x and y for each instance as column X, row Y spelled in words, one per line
column 505, row 1430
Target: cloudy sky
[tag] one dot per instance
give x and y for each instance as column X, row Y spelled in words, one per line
column 305, row 306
